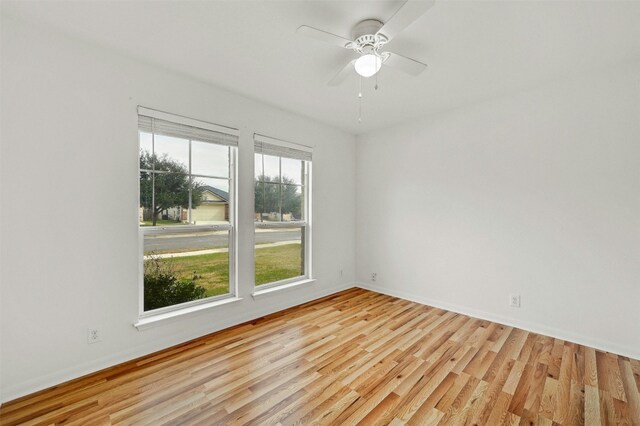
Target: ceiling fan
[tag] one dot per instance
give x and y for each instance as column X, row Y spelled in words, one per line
column 369, row 38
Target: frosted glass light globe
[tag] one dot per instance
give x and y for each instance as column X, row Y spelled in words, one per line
column 367, row 65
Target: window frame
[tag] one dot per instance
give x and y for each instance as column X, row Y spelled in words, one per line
column 231, row 227
column 305, row 225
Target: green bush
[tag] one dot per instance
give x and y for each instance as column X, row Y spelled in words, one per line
column 162, row 288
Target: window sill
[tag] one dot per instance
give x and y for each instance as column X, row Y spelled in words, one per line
column 155, row 320
column 278, row 288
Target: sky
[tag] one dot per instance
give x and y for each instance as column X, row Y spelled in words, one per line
column 211, row 159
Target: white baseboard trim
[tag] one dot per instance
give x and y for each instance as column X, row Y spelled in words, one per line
column 64, row 375
column 524, row 325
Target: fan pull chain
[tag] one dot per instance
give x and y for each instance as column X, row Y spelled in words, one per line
column 376, row 86
column 360, row 99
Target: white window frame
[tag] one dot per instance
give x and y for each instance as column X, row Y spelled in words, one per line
column 230, row 227
column 305, row 225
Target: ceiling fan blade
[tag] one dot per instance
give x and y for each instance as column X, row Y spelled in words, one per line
column 408, row 65
column 342, row 74
column 323, row 36
column 408, row 12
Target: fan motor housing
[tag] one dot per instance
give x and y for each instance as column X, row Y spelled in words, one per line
column 365, row 39
column 366, row 27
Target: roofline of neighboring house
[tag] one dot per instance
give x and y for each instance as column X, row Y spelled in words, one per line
column 218, row 192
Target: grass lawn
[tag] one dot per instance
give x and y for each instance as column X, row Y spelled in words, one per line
column 278, row 263
column 272, row 264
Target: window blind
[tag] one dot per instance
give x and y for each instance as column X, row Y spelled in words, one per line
column 159, row 126
column 270, row 146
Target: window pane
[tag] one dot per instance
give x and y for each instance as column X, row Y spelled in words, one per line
column 292, row 203
column 179, row 268
column 210, row 201
column 171, row 154
column 146, row 150
column 292, row 170
column 267, row 202
column 258, row 202
column 146, row 197
column 257, row 166
column 271, row 168
column 164, row 199
column 146, row 159
column 279, row 254
column 209, row 159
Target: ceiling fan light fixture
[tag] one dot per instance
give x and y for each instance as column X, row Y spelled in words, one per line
column 367, row 65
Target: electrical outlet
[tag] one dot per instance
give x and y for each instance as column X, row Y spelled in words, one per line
column 514, row 300
column 93, row 335
column 374, row 275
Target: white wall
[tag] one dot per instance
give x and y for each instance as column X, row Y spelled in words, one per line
column 536, row 194
column 69, row 204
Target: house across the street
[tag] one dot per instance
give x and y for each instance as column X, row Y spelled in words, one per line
column 213, row 208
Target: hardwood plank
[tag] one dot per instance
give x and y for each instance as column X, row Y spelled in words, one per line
column 425, row 414
column 522, row 390
column 493, row 392
column 622, row 416
column 383, row 412
column 609, row 378
column 532, row 404
column 592, row 405
column 607, row 410
column 453, row 392
column 561, row 412
column 630, row 389
column 548, row 402
column 470, row 407
column 428, row 388
column 527, row 347
column 374, row 397
column 514, row 378
column 590, row 367
column 499, row 411
column 576, row 406
column 556, row 358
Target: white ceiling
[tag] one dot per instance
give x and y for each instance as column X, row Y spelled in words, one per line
column 475, row 49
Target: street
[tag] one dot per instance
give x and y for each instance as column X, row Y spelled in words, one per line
column 209, row 240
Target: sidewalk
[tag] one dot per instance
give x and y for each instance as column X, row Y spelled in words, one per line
column 218, row 250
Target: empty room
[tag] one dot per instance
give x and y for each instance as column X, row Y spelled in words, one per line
column 297, row 212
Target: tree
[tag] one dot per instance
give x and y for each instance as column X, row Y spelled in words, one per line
column 291, row 199
column 266, row 195
column 269, row 194
column 171, row 189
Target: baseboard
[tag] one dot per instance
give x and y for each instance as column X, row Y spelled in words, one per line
column 56, row 378
column 524, row 325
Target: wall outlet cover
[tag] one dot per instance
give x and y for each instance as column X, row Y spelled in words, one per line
column 93, row 335
column 514, row 300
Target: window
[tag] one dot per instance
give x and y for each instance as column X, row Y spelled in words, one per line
column 282, row 212
column 186, row 210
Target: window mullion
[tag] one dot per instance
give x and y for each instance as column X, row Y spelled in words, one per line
column 280, row 188
column 153, row 174
column 189, row 214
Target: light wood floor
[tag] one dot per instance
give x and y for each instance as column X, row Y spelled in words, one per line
column 356, row 356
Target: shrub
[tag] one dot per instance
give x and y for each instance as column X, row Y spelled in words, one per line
column 162, row 288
